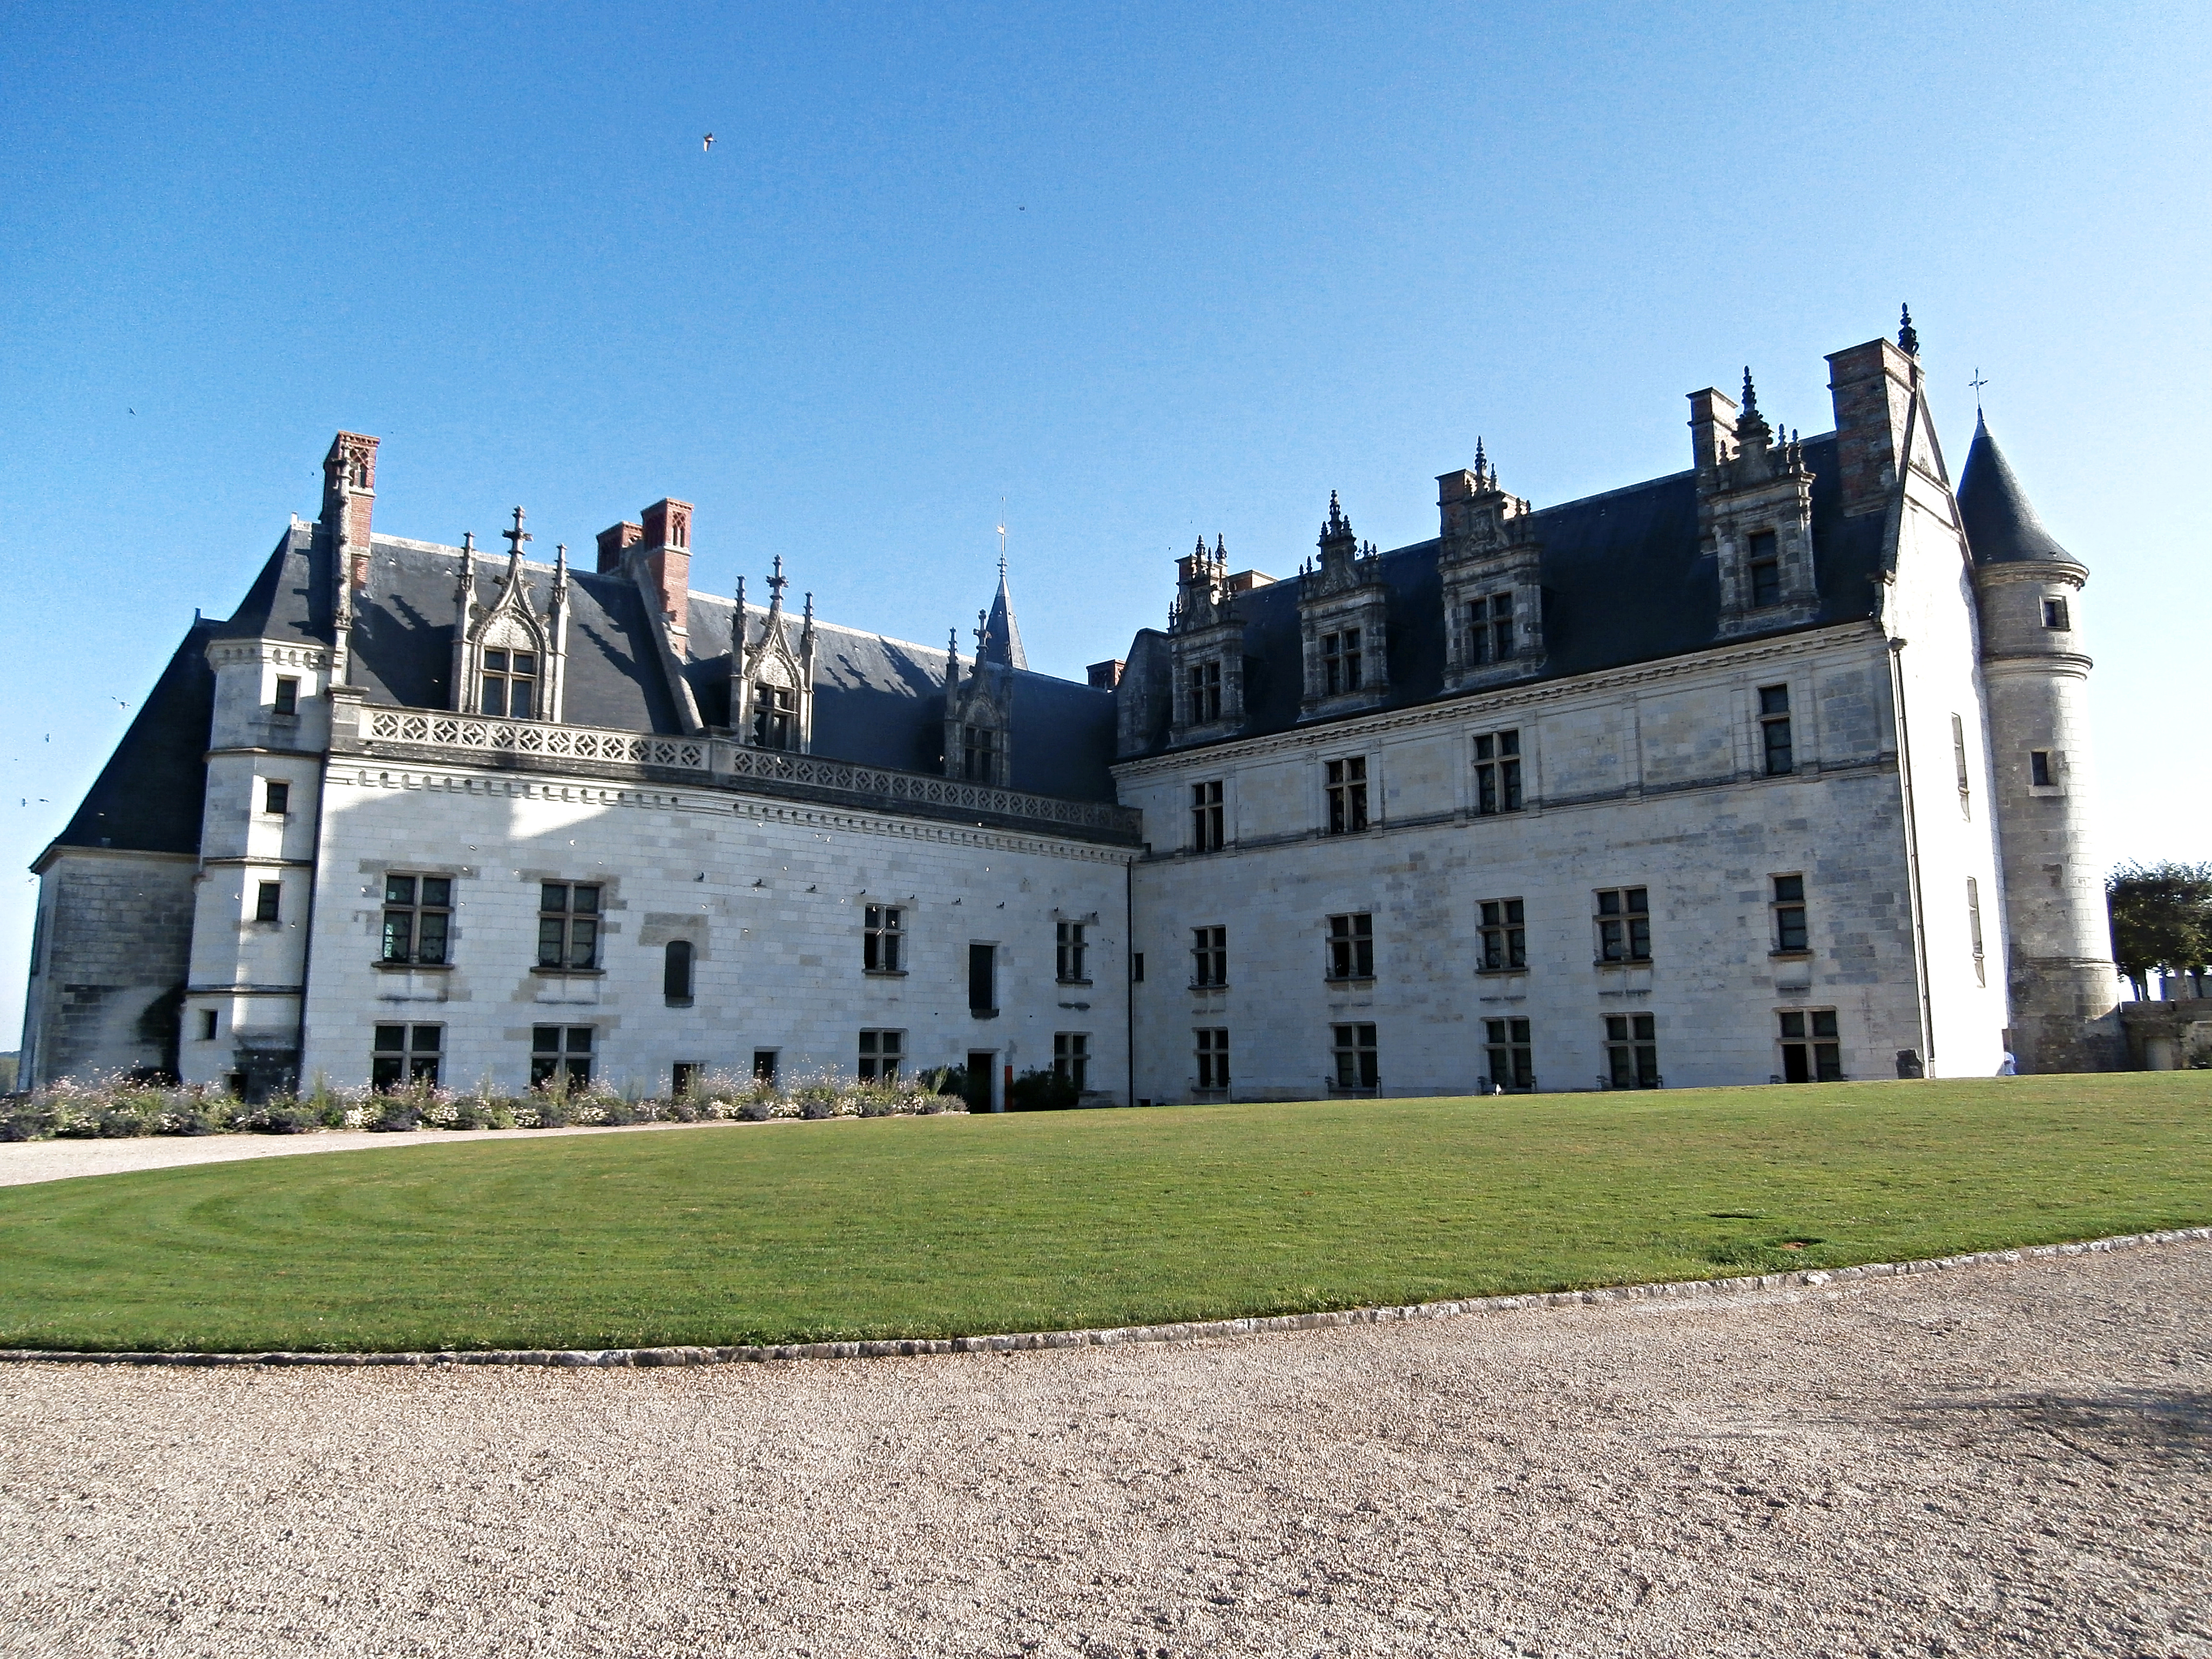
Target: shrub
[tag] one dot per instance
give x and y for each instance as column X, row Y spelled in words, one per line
column 1040, row 1091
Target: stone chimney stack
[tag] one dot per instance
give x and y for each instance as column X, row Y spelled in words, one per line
column 349, row 501
column 1872, row 385
column 665, row 550
column 614, row 541
column 1712, row 430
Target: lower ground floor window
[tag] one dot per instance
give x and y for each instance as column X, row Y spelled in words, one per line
column 880, row 1053
column 1810, row 1051
column 405, row 1054
column 1512, row 1061
column 1213, row 1057
column 1353, row 1050
column 764, row 1064
column 1631, row 1051
column 681, row 1077
column 1070, row 1058
column 560, row 1054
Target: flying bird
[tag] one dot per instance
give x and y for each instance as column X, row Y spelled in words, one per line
column 706, row 143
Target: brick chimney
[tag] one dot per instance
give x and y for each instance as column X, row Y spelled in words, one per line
column 1872, row 385
column 1712, row 429
column 1105, row 676
column 665, row 548
column 349, row 501
column 612, row 542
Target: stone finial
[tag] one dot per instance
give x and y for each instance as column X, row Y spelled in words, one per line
column 1908, row 337
column 1750, row 397
column 1337, row 524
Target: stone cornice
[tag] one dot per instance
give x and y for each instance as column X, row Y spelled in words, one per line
column 288, row 653
column 1485, row 705
column 705, row 799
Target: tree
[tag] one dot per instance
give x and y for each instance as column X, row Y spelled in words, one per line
column 2161, row 919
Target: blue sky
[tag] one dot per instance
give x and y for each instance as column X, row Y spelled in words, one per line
column 1142, row 270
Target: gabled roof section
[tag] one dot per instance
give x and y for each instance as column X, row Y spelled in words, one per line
column 2002, row 527
column 148, row 797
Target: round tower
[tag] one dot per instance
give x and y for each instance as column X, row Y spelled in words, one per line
column 2036, row 674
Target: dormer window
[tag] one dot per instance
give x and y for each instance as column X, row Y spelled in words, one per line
column 509, row 684
column 1205, row 681
column 1340, row 662
column 1490, row 636
column 775, row 717
column 1765, row 570
column 979, row 754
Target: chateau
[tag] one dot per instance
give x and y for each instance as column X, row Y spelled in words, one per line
column 1775, row 768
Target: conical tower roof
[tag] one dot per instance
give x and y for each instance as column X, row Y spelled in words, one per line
column 1002, row 639
column 2002, row 527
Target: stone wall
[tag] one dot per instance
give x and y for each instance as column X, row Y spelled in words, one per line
column 113, row 936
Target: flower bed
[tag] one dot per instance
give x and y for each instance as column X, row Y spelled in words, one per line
column 115, row 1107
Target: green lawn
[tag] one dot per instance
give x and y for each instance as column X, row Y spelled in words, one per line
column 937, row 1226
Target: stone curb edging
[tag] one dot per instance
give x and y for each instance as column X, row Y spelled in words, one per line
column 1192, row 1330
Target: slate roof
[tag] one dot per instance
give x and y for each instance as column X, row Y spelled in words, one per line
column 2002, row 528
column 877, row 700
column 1625, row 580
column 148, row 797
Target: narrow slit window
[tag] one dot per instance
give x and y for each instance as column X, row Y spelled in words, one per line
column 1958, row 761
column 268, row 902
column 1974, row 929
column 676, row 973
column 1776, row 751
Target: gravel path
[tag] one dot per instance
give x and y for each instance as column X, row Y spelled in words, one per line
column 2001, row 1460
column 23, row 1161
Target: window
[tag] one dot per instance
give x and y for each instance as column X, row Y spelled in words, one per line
column 880, row 1053
column 1512, row 1065
column 1765, row 570
column 979, row 754
column 1352, row 1047
column 1340, row 662
column 775, row 717
column 1959, row 760
column 1351, row 947
column 676, row 973
column 764, row 1064
column 1490, row 629
column 1205, row 693
column 418, row 909
column 1623, row 925
column 1213, row 1058
column 567, row 924
column 510, row 683
column 1070, row 1058
column 1136, row 967
column 276, row 797
column 681, row 1076
column 2038, row 767
column 1504, row 936
column 1631, row 1053
column 982, row 978
column 268, row 902
column 287, row 696
column 1974, row 929
column 1209, row 956
column 2055, row 616
column 207, row 1018
column 882, row 937
column 560, row 1056
column 1498, row 772
column 1790, row 935
column 1207, row 817
column 1774, row 729
column 1820, row 1060
column 1347, row 796
column 1069, row 952
column 405, row 1054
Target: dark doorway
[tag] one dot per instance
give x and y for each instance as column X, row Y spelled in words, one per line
column 981, row 1063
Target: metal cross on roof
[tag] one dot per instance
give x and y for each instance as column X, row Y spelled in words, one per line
column 515, row 537
column 1978, row 383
